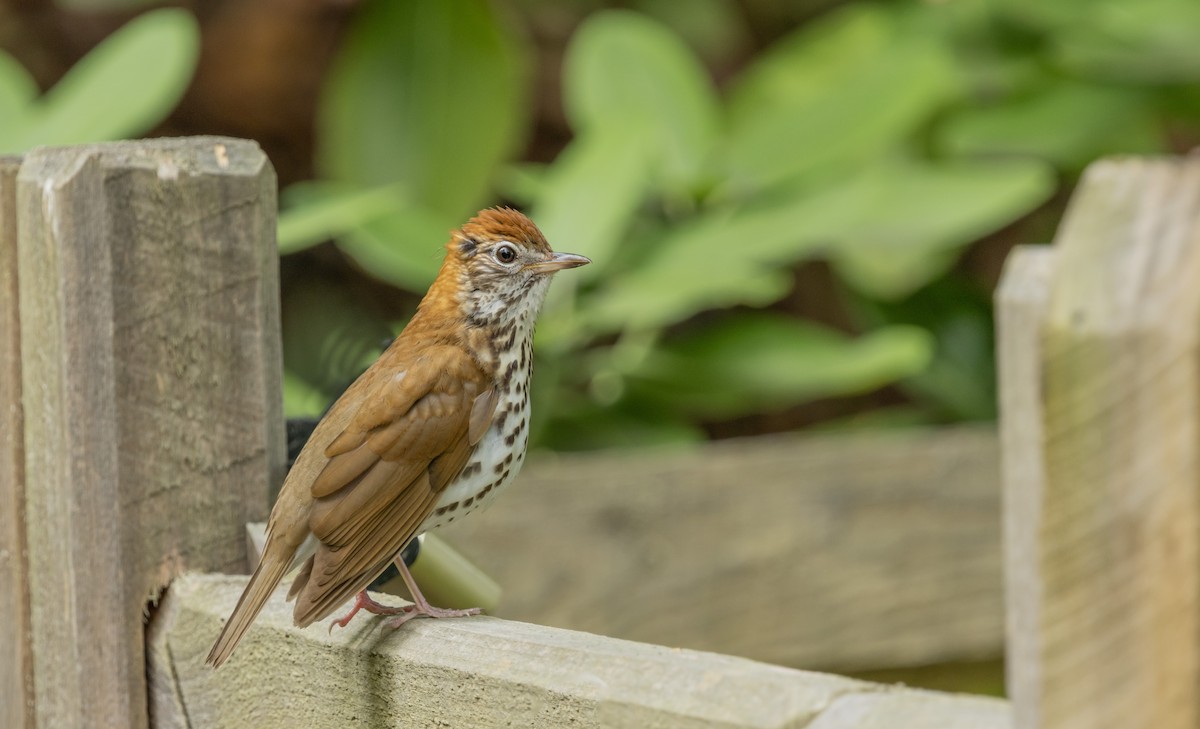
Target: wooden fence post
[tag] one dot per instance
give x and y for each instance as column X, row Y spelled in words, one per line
column 16, row 681
column 1101, row 438
column 150, row 365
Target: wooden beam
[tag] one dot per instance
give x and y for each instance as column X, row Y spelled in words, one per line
column 1022, row 302
column 1102, row 439
column 16, row 684
column 151, row 372
column 486, row 672
column 832, row 551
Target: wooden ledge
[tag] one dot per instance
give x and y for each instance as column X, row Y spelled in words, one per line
column 489, row 672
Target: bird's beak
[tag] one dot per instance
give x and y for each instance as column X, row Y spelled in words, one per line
column 559, row 261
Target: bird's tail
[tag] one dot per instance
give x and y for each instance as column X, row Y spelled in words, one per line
column 267, row 575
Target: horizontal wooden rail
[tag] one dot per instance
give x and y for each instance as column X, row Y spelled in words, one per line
column 833, row 551
column 487, row 672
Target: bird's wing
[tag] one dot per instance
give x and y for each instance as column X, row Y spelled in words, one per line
column 386, row 469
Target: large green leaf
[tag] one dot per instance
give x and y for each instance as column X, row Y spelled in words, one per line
column 123, row 87
column 403, row 247
column 1149, row 41
column 592, row 192
column 623, row 69
column 911, row 218
column 318, row 211
column 18, row 91
column 833, row 95
column 430, row 93
column 1104, row 120
column 755, row 362
column 685, row 276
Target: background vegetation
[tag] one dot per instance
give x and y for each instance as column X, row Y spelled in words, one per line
column 797, row 210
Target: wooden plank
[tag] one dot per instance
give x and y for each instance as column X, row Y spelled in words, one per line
column 814, row 551
column 16, row 686
column 150, row 367
column 486, row 672
column 1022, row 301
column 1112, row 537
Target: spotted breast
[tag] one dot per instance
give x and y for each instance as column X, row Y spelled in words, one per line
column 499, row 455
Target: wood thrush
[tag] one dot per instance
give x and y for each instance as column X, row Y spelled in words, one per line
column 433, row 430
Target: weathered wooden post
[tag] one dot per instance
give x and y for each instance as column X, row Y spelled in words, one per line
column 1100, row 394
column 16, row 680
column 149, row 373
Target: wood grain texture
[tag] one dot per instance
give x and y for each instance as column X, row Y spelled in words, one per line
column 16, row 685
column 1112, row 537
column 1022, row 301
column 485, row 672
column 813, row 551
column 151, row 368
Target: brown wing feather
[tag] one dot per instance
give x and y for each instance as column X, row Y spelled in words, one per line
column 385, row 473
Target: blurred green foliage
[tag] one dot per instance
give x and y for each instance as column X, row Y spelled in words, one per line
column 882, row 139
column 125, row 86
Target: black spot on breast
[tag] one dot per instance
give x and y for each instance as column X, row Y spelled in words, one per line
column 499, row 467
column 467, row 504
column 500, row 420
column 471, row 469
column 508, row 459
column 510, row 438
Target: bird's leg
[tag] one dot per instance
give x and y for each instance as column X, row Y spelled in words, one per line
column 421, row 606
column 364, row 602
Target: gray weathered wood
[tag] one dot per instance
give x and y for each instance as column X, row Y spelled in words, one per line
column 485, row 672
column 16, row 686
column 814, row 551
column 150, row 369
column 1022, row 301
column 1108, row 623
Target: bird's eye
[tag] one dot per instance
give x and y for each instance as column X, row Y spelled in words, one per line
column 506, row 254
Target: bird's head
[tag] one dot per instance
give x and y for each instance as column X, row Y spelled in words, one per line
column 500, row 265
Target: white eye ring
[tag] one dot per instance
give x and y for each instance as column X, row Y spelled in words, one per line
column 505, row 254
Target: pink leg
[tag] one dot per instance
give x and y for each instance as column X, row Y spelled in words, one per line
column 364, row 602
column 421, row 606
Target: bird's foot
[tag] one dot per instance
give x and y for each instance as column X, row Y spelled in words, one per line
column 408, row 612
column 364, row 602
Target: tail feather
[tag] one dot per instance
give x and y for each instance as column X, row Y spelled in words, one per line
column 262, row 583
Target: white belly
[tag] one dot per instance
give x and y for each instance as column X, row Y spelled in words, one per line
column 493, row 465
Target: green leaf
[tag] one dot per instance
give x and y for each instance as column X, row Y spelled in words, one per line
column 834, row 95
column 718, row 259
column 404, row 247
column 623, row 69
column 123, row 87
column 1104, row 120
column 319, row 211
column 1149, row 41
column 649, row 298
column 755, row 361
column 18, row 91
column 592, row 192
column 912, row 217
column 430, row 93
